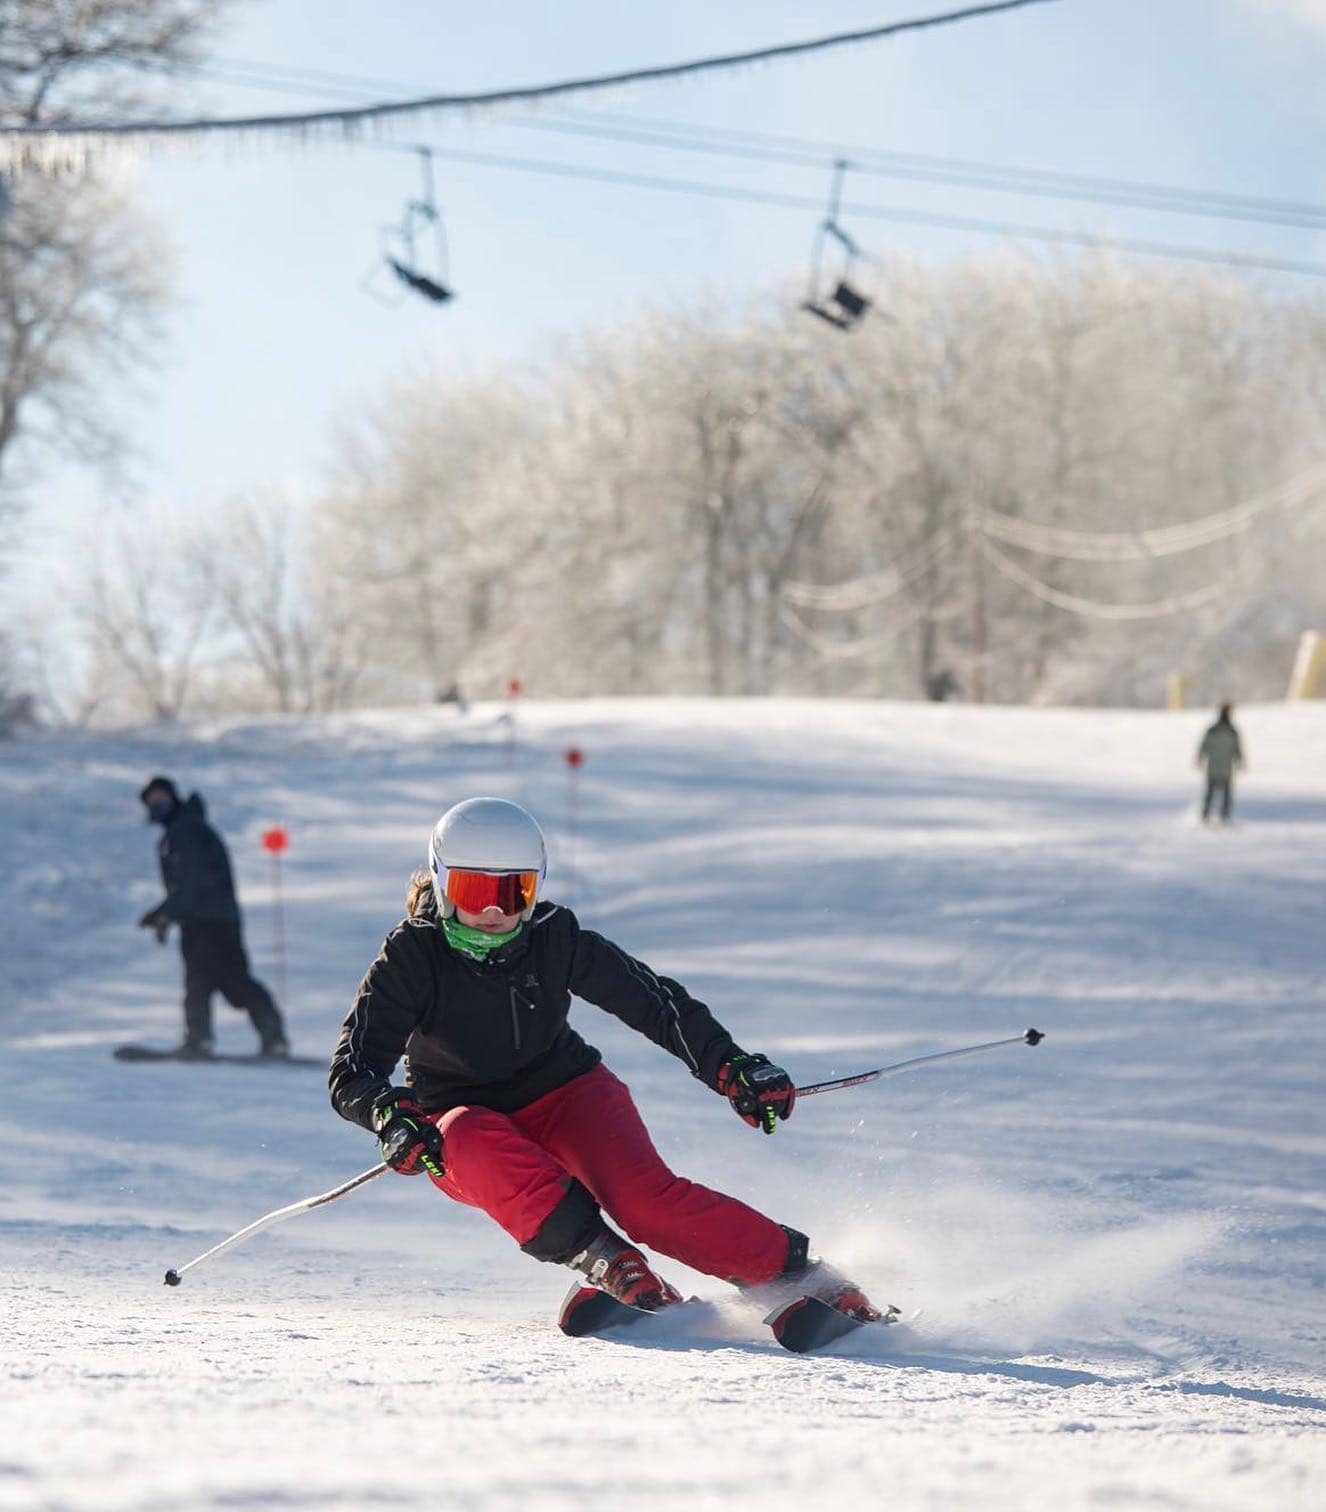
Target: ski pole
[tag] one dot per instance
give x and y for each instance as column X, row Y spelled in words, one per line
column 1031, row 1037
column 307, row 1204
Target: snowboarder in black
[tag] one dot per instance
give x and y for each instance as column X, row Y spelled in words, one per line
column 200, row 899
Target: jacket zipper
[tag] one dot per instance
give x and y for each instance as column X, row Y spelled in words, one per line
column 515, row 1017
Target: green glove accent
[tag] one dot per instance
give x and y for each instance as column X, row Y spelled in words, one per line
column 760, row 1092
column 408, row 1139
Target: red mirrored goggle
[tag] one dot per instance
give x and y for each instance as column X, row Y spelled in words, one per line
column 509, row 892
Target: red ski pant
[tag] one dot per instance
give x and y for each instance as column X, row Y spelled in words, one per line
column 515, row 1166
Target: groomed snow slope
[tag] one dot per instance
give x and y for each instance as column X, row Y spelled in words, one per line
column 1115, row 1241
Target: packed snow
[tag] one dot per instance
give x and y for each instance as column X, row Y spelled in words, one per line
column 1109, row 1249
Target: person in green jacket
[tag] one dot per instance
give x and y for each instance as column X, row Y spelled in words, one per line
column 1220, row 752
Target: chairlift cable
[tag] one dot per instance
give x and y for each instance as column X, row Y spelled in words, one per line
column 1098, row 609
column 1149, row 543
column 1016, row 230
column 36, row 144
column 880, row 162
column 809, row 152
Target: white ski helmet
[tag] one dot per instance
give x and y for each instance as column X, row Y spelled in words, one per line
column 487, row 853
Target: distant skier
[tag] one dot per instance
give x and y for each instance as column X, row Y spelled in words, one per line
column 507, row 1108
column 200, row 899
column 1221, row 753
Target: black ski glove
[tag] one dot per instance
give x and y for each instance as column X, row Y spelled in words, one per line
column 155, row 919
column 761, row 1092
column 407, row 1137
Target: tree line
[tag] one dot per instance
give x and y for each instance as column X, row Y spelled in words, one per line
column 1021, row 479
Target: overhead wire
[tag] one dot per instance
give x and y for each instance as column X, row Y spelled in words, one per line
column 1143, row 545
column 703, row 188
column 872, row 163
column 745, row 144
column 863, row 593
column 33, row 144
column 671, row 135
column 1097, row 608
column 1306, row 487
column 972, row 174
column 829, row 649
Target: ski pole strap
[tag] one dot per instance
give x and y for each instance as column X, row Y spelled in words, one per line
column 1030, row 1037
column 305, row 1205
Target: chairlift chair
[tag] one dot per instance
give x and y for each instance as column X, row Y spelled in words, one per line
column 400, row 244
column 845, row 305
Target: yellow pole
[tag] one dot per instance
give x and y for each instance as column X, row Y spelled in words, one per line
column 1308, row 679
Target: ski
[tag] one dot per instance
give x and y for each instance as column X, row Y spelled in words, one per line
column 806, row 1323
column 802, row 1325
column 140, row 1053
column 587, row 1312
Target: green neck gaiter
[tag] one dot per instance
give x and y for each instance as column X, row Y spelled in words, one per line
column 478, row 944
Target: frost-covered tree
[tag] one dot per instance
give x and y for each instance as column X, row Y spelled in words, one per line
column 436, row 508
column 81, row 276
column 80, row 295
column 281, row 609
column 756, row 503
column 63, row 61
column 147, row 603
column 80, row 281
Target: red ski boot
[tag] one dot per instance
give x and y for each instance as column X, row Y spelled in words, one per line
column 827, row 1307
column 618, row 1268
column 811, row 1304
column 845, row 1297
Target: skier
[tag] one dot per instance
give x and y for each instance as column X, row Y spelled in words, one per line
column 507, row 1108
column 1221, row 751
column 200, row 898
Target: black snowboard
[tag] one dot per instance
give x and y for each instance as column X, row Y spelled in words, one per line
column 150, row 1053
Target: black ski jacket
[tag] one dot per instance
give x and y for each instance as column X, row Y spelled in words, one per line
column 196, row 869
column 495, row 1033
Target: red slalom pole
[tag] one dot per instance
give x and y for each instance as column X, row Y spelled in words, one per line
column 513, row 692
column 575, row 759
column 275, row 842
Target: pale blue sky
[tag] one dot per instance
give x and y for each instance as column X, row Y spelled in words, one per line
column 274, row 340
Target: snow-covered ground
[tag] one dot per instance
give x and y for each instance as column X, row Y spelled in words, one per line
column 1115, row 1241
